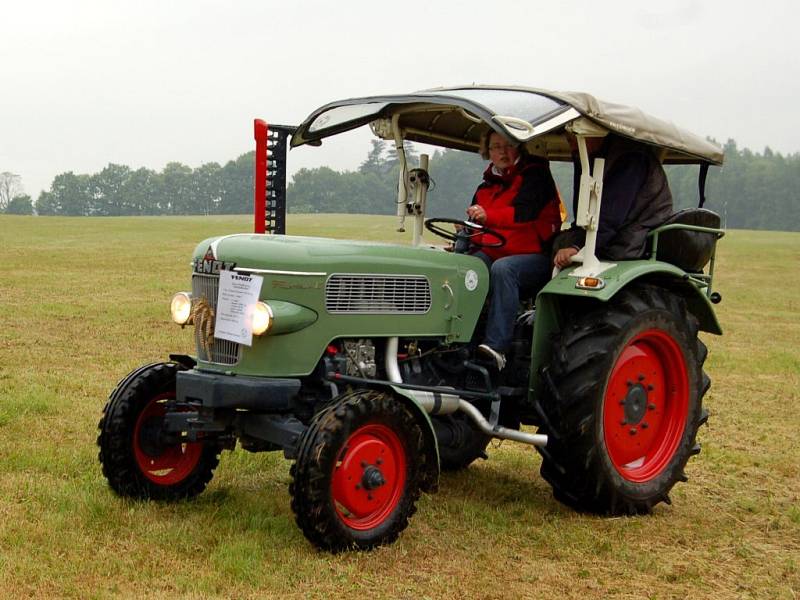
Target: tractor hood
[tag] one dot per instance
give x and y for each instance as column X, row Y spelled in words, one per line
column 284, row 255
column 347, row 289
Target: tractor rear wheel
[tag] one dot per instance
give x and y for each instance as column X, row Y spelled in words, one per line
column 357, row 475
column 135, row 458
column 625, row 403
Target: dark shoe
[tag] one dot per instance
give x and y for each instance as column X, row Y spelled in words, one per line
column 498, row 357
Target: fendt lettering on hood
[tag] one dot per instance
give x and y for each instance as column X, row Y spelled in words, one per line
column 209, row 264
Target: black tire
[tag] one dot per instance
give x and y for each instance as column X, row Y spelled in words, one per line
column 460, row 441
column 133, row 463
column 624, row 404
column 357, row 475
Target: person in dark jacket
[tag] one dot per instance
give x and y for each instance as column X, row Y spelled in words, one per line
column 636, row 198
column 518, row 199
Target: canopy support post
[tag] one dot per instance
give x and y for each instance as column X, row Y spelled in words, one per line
column 402, row 190
column 590, row 196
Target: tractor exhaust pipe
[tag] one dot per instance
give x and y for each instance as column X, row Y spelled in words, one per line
column 444, row 404
column 503, row 433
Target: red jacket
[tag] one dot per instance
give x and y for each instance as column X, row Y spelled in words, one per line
column 522, row 205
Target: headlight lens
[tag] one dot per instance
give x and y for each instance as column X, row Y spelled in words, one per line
column 262, row 318
column 181, row 307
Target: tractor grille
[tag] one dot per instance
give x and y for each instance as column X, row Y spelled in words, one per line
column 211, row 349
column 378, row 294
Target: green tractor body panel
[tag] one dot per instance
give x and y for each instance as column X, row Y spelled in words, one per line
column 550, row 315
column 422, row 417
column 321, row 289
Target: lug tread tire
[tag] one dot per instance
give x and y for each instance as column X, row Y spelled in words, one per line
column 116, row 456
column 312, row 472
column 575, row 461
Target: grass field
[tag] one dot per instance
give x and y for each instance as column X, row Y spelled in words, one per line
column 83, row 301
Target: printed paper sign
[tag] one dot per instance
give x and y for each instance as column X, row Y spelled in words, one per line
column 237, row 295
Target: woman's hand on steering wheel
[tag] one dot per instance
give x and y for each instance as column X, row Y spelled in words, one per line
column 477, row 214
column 466, row 230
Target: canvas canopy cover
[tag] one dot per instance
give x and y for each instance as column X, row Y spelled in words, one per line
column 458, row 117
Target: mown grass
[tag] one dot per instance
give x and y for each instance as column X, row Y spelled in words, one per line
column 83, row 301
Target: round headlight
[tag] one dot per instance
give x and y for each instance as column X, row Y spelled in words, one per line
column 181, row 307
column 261, row 318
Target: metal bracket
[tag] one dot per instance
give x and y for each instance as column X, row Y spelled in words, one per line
column 588, row 215
column 283, row 431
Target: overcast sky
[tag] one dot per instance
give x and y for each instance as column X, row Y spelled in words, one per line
column 85, row 83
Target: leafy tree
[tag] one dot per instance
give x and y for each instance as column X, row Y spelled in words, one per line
column 375, row 162
column 69, row 195
column 177, row 193
column 108, row 188
column 20, row 205
column 237, row 186
column 143, row 193
column 207, row 188
column 318, row 189
column 47, row 205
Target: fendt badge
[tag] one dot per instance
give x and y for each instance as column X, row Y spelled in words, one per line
column 210, row 265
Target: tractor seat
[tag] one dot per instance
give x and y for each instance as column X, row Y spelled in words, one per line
column 689, row 250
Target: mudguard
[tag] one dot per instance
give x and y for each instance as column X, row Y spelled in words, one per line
column 430, row 481
column 549, row 303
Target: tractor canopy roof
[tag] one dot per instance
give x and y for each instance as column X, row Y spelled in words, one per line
column 458, row 117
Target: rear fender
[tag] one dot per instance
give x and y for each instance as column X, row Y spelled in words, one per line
column 561, row 291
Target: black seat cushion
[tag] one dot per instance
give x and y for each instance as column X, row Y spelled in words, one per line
column 689, row 250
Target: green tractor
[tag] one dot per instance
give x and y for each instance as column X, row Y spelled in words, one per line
column 358, row 359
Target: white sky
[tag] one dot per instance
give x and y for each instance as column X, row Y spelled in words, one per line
column 85, row 83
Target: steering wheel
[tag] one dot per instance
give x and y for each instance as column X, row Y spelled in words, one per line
column 466, row 235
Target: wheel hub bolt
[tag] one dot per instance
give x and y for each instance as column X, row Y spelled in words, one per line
column 635, row 403
column 651, row 406
column 645, row 425
column 373, row 478
column 633, row 431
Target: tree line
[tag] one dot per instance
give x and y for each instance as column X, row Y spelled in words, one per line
column 752, row 190
column 176, row 190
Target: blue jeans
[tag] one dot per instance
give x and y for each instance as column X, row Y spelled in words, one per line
column 509, row 275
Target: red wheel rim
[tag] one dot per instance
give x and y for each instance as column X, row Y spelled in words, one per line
column 174, row 463
column 646, row 406
column 369, row 477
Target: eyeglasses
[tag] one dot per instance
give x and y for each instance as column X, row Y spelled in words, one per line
column 501, row 147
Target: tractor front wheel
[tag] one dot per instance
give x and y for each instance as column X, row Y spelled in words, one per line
column 625, row 403
column 137, row 459
column 357, row 474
